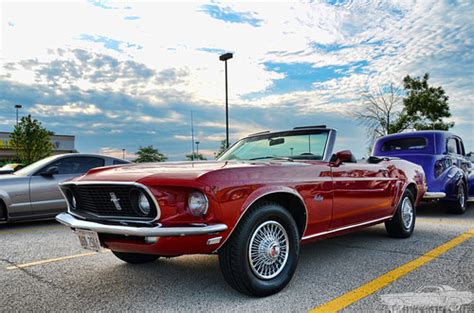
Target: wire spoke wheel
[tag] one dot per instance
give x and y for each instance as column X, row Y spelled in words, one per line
column 407, row 213
column 268, row 250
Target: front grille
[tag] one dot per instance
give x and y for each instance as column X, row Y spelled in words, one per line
column 101, row 200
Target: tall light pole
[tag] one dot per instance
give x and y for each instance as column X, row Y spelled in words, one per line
column 192, row 137
column 17, row 106
column 197, row 149
column 123, row 154
column 225, row 57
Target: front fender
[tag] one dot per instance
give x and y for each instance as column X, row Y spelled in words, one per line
column 233, row 220
column 267, row 190
column 5, row 197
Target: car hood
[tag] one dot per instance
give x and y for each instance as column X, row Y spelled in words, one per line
column 7, row 178
column 172, row 170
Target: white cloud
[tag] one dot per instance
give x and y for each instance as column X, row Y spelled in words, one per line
column 70, row 109
column 117, row 153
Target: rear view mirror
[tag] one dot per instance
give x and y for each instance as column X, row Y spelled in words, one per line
column 50, row 171
column 342, row 156
column 276, row 141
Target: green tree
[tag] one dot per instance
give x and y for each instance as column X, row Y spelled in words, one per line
column 222, row 149
column 195, row 156
column 31, row 141
column 149, row 154
column 425, row 106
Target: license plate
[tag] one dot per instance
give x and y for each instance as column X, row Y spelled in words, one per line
column 89, row 239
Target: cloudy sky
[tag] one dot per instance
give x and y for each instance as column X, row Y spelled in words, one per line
column 123, row 75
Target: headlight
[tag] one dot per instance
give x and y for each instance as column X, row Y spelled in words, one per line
column 197, row 203
column 73, row 202
column 144, row 204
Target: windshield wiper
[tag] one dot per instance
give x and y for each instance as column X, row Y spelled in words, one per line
column 273, row 158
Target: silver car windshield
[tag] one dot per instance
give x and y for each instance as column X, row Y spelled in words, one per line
column 34, row 167
column 281, row 145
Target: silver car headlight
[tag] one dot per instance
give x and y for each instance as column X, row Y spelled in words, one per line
column 144, row 204
column 73, row 202
column 197, row 203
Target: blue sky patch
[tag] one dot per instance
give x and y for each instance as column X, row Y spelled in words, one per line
column 229, row 15
column 131, row 18
column 108, row 43
column 302, row 76
column 213, row 50
column 101, row 4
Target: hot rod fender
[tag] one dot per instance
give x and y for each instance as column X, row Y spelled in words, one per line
column 454, row 176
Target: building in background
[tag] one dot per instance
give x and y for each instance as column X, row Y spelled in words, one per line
column 61, row 144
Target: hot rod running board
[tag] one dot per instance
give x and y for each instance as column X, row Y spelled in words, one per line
column 434, row 195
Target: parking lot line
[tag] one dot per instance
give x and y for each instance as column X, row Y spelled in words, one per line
column 443, row 221
column 27, row 230
column 15, row 267
column 380, row 282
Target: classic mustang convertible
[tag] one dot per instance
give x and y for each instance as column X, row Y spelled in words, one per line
column 268, row 193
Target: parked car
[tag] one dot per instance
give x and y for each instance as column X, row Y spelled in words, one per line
column 10, row 168
column 32, row 193
column 253, row 206
column 442, row 155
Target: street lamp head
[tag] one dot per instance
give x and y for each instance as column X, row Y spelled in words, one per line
column 226, row 56
column 17, row 106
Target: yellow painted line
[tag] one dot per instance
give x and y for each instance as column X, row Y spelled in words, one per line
column 41, row 262
column 443, row 221
column 27, row 230
column 386, row 279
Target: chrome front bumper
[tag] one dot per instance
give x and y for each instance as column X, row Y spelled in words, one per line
column 433, row 195
column 157, row 231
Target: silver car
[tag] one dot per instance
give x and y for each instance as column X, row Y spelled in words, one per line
column 32, row 193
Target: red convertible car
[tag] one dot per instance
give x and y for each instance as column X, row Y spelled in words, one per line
column 264, row 196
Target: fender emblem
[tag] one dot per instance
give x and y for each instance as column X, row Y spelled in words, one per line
column 318, row 198
column 115, row 201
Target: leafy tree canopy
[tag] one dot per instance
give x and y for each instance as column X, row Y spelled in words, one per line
column 222, row 149
column 149, row 154
column 425, row 106
column 195, row 156
column 31, row 141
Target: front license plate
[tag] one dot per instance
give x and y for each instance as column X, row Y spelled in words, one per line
column 89, row 239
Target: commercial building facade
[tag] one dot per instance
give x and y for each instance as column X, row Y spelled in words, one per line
column 61, row 144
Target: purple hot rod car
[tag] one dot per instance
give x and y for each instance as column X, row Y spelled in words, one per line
column 443, row 158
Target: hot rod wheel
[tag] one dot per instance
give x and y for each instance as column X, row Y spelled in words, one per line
column 260, row 257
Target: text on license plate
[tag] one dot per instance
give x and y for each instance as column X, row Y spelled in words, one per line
column 89, row 239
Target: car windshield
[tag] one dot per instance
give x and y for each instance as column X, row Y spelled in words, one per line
column 289, row 145
column 34, row 167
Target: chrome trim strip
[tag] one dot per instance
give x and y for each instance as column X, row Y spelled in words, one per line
column 157, row 231
column 363, row 178
column 346, row 227
column 255, row 200
column 434, row 195
column 138, row 185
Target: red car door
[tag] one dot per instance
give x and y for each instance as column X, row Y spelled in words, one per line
column 362, row 192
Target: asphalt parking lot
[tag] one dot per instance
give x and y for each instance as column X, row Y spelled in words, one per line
column 43, row 268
